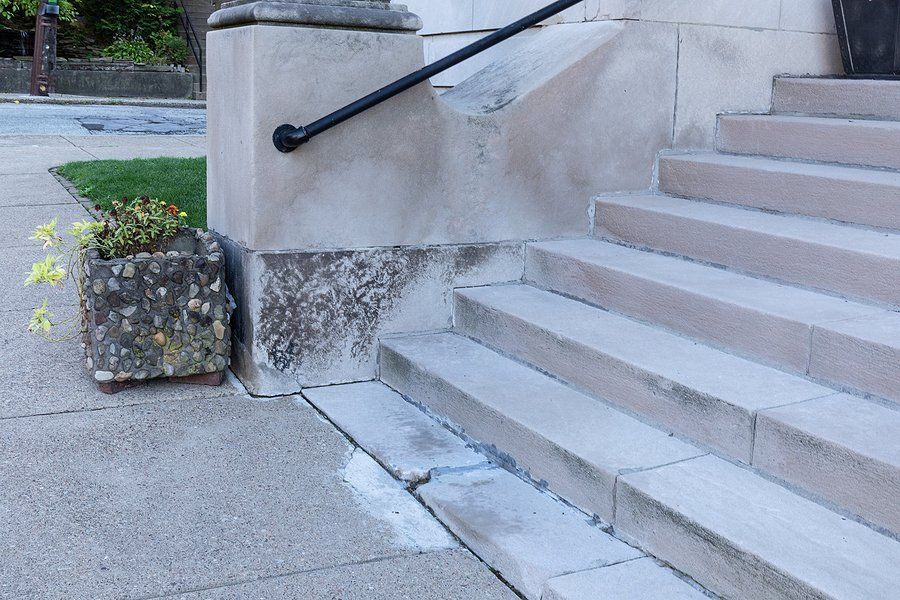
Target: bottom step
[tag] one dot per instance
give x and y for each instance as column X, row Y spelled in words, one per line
column 541, row 546
column 731, row 530
column 744, row 537
column 524, row 534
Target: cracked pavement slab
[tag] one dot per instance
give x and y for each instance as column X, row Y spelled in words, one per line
column 183, row 495
column 185, row 491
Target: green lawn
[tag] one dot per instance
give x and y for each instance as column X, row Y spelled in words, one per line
column 180, row 181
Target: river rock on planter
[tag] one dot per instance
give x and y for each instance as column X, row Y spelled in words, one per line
column 159, row 315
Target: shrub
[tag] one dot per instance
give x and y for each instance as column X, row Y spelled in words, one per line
column 170, row 49
column 22, row 12
column 137, row 51
column 128, row 19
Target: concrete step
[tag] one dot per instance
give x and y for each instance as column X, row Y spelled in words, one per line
column 405, row 440
column 848, row 194
column 854, row 345
column 641, row 579
column 683, row 386
column 843, row 448
column 525, row 535
column 847, row 141
column 744, row 537
column 850, row 261
column 862, row 352
column 871, row 98
column 576, row 444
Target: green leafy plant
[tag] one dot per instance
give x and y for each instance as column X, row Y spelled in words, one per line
column 137, row 51
column 23, row 10
column 130, row 227
column 129, row 19
column 142, row 225
column 170, row 49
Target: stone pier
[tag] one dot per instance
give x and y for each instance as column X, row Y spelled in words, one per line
column 365, row 231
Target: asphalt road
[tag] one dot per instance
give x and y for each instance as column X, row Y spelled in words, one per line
column 32, row 119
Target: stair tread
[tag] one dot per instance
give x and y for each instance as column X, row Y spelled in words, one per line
column 878, row 98
column 864, row 427
column 739, row 382
column 727, row 286
column 758, row 522
column 836, row 140
column 764, row 164
column 843, row 448
column 818, row 120
column 842, row 193
column 610, row 440
column 855, row 239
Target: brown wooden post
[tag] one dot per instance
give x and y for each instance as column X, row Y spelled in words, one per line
column 44, row 60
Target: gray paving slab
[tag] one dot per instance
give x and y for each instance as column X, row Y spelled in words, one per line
column 40, row 377
column 89, row 142
column 447, row 575
column 33, row 140
column 33, row 189
column 29, row 159
column 191, row 494
column 17, row 223
column 398, row 434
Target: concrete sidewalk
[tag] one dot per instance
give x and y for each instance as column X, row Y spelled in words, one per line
column 182, row 491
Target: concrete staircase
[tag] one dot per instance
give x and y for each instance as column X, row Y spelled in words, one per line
column 715, row 372
column 198, row 11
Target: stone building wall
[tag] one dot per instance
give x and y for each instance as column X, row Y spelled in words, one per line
column 729, row 50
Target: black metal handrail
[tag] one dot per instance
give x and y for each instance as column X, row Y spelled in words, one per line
column 288, row 138
column 193, row 39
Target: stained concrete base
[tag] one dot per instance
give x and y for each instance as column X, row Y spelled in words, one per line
column 308, row 319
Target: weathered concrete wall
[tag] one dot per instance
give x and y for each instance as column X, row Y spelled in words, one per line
column 15, row 77
column 514, row 153
column 729, row 49
column 314, row 318
column 364, row 231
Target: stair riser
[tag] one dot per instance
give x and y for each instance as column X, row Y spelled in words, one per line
column 566, row 474
column 714, row 561
column 865, row 203
column 878, row 99
column 868, row 367
column 866, row 487
column 853, row 274
column 701, row 417
column 876, row 145
column 768, row 337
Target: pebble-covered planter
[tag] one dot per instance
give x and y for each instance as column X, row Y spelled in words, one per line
column 165, row 314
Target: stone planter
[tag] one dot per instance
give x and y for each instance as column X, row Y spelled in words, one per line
column 158, row 315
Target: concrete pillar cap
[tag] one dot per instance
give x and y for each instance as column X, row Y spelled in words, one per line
column 367, row 15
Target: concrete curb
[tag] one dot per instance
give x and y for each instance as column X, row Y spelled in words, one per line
column 64, row 100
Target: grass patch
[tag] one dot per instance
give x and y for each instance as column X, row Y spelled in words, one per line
column 180, row 181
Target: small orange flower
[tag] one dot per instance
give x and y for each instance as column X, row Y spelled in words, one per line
column 173, row 210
